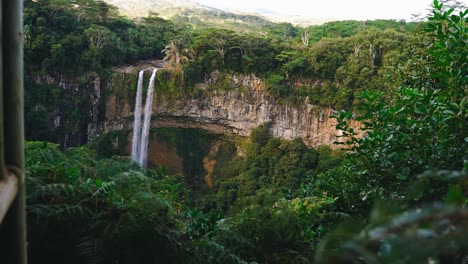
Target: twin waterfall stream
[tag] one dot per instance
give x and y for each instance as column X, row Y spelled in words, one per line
column 141, row 134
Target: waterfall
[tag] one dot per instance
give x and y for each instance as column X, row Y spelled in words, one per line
column 146, row 123
column 137, row 120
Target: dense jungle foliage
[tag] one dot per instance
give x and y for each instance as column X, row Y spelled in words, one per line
column 396, row 193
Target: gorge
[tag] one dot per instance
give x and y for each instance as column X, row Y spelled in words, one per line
column 226, row 153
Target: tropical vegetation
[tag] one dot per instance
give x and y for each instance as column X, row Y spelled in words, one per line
column 396, row 192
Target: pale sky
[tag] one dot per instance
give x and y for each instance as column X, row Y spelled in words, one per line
column 339, row 9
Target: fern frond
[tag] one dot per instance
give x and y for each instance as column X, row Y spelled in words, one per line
column 90, row 249
column 60, row 210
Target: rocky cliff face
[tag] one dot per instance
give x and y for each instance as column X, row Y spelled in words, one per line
column 225, row 104
column 240, row 108
column 76, row 116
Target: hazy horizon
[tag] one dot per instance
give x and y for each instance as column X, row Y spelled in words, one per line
column 337, row 9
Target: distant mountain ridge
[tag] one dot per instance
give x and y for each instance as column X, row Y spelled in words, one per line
column 192, row 12
column 278, row 17
column 165, row 8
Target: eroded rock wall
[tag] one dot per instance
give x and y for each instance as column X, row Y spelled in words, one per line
column 76, row 116
column 238, row 109
column 225, row 104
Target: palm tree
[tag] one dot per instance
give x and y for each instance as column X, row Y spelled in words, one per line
column 176, row 56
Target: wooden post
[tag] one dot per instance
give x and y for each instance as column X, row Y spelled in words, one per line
column 2, row 159
column 13, row 228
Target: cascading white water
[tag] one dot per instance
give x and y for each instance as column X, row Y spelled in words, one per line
column 137, row 121
column 147, row 119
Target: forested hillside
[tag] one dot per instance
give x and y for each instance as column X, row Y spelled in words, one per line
column 395, row 192
column 334, row 62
